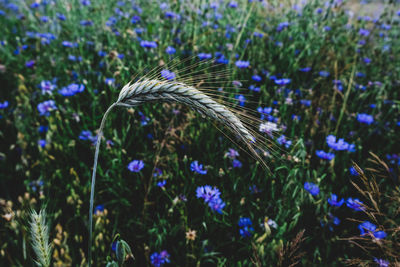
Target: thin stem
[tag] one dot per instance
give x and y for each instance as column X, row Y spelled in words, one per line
column 96, row 156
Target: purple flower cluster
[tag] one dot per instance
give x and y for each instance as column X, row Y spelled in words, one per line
column 325, row 155
column 167, row 74
column 370, row 228
column 211, row 196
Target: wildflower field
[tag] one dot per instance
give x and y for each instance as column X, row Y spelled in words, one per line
column 279, row 146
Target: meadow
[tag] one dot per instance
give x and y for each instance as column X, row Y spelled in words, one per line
column 316, row 84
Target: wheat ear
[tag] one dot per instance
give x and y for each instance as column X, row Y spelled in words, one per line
column 40, row 238
column 143, row 91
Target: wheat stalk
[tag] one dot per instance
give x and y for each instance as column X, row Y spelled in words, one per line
column 40, row 238
column 148, row 90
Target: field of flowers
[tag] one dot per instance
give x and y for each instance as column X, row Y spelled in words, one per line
column 318, row 84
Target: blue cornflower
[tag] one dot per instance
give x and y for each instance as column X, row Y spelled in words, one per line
column 312, row 188
column 87, row 135
column 306, row 69
column 148, row 44
column 46, row 107
column 30, row 63
column 380, row 234
column 61, row 16
column 282, row 26
column 71, row 89
column 242, row 64
column 244, row 221
column 135, row 19
column 363, row 32
column 207, row 193
column 258, row 34
column 305, row 102
column 162, row 183
column 167, row 74
column 236, row 163
column 4, row 105
column 233, row 4
column 340, row 144
column 69, row 44
column 85, row 2
column 136, row 165
column 382, row 262
column 42, row 143
column 86, row 22
column 109, row 81
column 355, row 204
column 196, row 167
column 232, row 153
column 170, row 50
column 335, row 220
column 47, row 87
column 324, row 73
column 353, row 171
column 283, row 81
column 98, row 209
column 217, row 205
column 254, row 88
column 325, row 155
column 283, row 141
column 203, row 56
column 334, row 201
column 159, row 259
column 365, row 118
column 246, row 231
column 256, row 78
column 241, row 100
column 366, row 227
column 43, row 129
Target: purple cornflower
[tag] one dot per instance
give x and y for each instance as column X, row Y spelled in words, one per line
column 196, row 167
column 71, row 89
column 334, row 201
column 283, row 81
column 159, row 259
column 365, row 118
column 242, row 64
column 363, row 32
column 136, row 165
column 355, row 204
column 325, row 155
column 169, row 75
column 312, row 188
column 148, row 44
column 45, row 107
column 232, row 153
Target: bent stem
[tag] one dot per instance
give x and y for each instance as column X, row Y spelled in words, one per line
column 96, row 156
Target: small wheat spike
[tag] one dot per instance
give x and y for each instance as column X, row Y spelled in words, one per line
column 147, row 90
column 40, row 238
